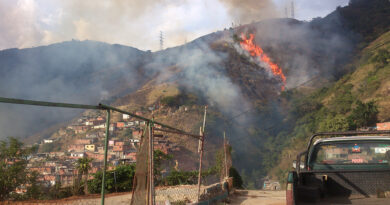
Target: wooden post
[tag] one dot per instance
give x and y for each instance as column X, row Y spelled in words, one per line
column 201, row 152
column 224, row 147
column 151, row 169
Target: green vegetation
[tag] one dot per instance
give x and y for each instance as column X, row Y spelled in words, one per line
column 34, row 191
column 82, row 166
column 13, row 161
column 382, row 57
column 118, row 180
column 125, row 134
column 47, row 147
column 355, row 101
column 180, row 99
column 237, row 180
column 181, row 177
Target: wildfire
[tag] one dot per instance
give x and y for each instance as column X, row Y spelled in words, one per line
column 256, row 51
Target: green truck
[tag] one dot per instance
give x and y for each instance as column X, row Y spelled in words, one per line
column 342, row 168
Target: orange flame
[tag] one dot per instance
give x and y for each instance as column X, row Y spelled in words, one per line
column 255, row 50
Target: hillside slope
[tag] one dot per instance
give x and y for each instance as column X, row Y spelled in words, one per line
column 340, row 107
column 245, row 99
column 75, row 72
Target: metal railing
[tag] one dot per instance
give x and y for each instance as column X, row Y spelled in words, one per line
column 108, row 111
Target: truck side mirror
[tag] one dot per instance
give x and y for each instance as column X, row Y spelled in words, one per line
column 302, row 164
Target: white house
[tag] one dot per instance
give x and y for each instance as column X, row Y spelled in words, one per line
column 126, row 116
column 99, row 126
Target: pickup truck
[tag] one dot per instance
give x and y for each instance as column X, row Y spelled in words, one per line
column 342, row 168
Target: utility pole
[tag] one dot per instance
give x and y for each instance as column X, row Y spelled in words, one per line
column 161, row 41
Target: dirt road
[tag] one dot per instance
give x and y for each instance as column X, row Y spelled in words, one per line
column 245, row 197
column 254, row 197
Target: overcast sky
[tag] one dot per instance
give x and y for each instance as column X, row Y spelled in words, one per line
column 137, row 23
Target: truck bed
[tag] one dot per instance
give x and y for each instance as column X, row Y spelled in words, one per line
column 344, row 187
column 351, row 200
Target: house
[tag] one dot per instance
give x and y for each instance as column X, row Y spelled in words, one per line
column 101, row 126
column 50, row 180
column 121, row 143
column 76, row 148
column 66, row 179
column 132, row 156
column 56, row 154
column 271, row 185
column 120, row 148
column 112, row 127
column 99, row 157
column 43, row 170
column 89, row 123
column 47, row 141
column 76, row 155
column 111, row 142
column 129, row 124
column 125, row 116
column 83, row 141
column 383, row 126
column 91, row 136
column 134, row 142
column 137, row 133
column 120, row 124
column 100, row 118
column 78, row 128
column 90, row 147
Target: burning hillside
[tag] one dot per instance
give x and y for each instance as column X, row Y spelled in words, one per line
column 256, row 51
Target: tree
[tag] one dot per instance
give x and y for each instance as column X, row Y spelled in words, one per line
column 34, row 190
column 237, row 180
column 124, row 175
column 158, row 158
column 83, row 167
column 334, row 123
column 13, row 161
column 382, row 57
column 181, row 177
column 363, row 115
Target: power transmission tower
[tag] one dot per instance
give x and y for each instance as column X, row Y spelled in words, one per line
column 285, row 12
column 161, row 41
column 292, row 10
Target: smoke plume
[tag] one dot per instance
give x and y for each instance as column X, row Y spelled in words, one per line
column 250, row 10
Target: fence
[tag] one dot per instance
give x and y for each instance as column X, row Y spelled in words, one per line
column 145, row 179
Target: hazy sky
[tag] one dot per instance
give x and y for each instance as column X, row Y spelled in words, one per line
column 137, row 23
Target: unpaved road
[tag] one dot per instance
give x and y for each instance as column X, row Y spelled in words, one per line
column 254, row 197
column 245, row 197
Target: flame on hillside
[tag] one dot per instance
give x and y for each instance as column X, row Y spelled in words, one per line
column 256, row 51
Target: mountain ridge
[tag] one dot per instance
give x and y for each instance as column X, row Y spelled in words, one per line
column 213, row 68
